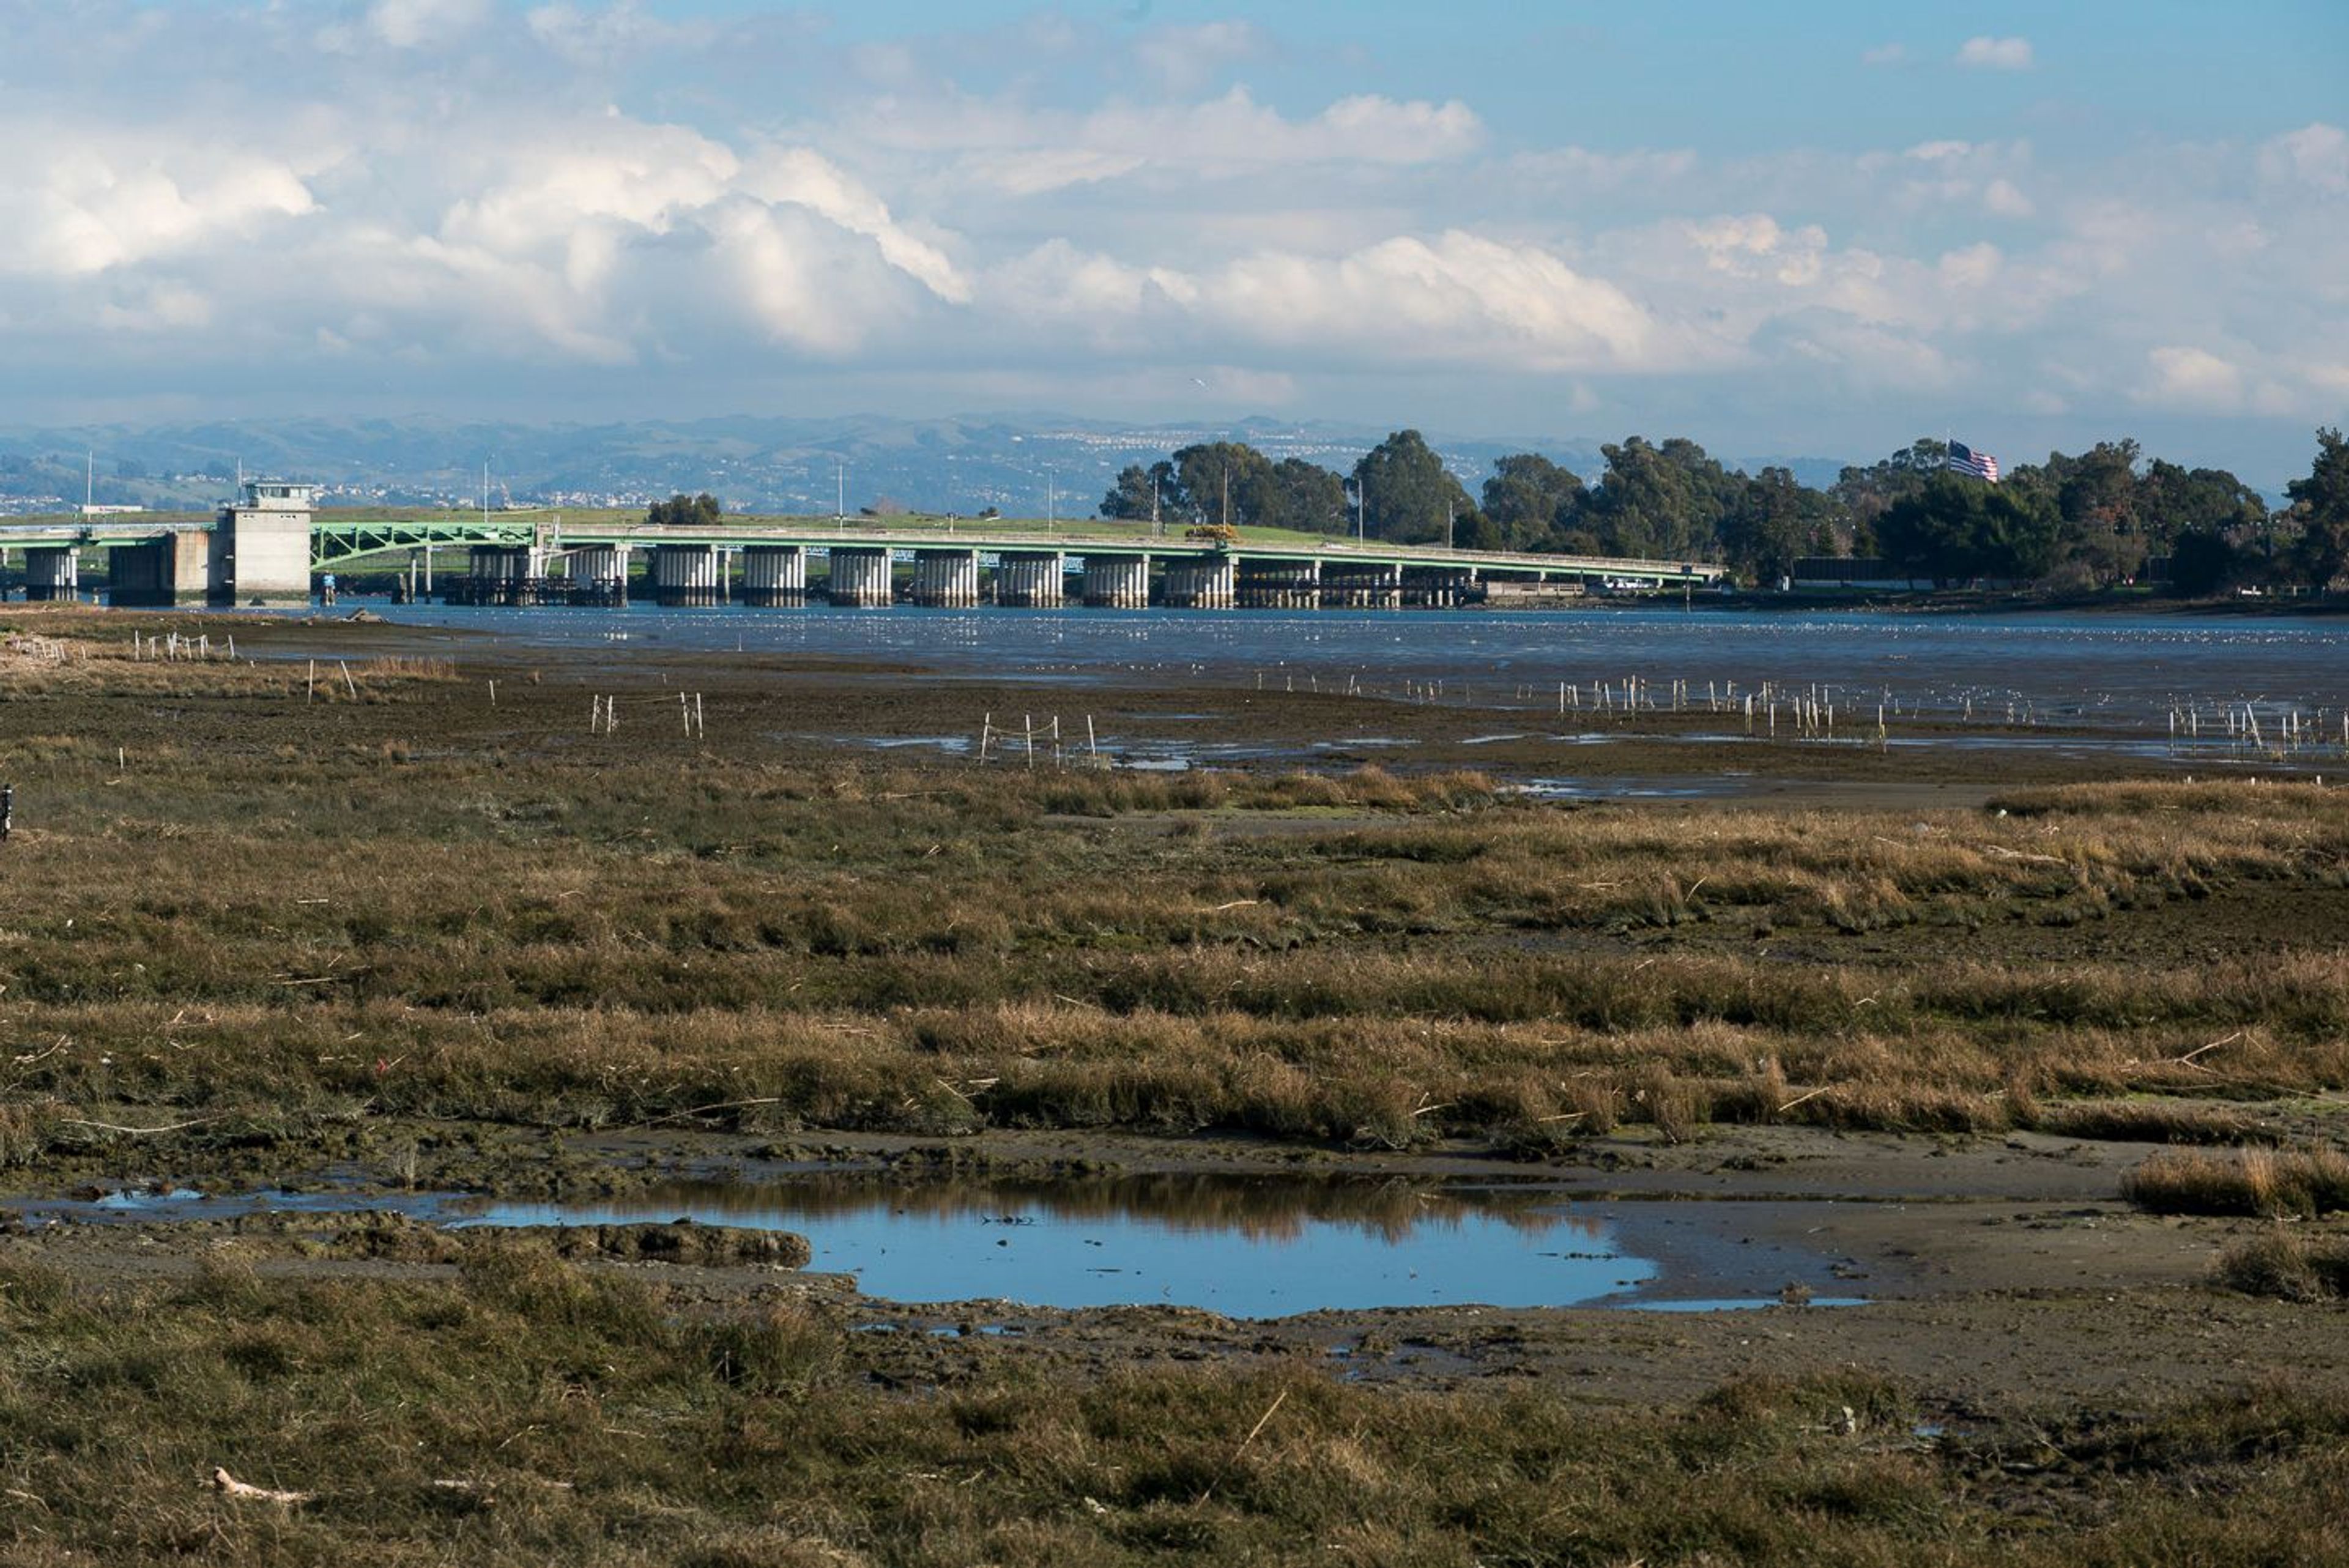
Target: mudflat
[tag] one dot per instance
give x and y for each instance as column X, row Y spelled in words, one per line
column 2038, row 1054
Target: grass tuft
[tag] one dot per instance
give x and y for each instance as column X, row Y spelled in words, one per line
column 2270, row 1183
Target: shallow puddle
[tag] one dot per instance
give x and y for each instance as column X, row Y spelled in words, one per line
column 1241, row 1246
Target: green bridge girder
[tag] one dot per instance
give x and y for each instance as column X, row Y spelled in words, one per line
column 334, row 544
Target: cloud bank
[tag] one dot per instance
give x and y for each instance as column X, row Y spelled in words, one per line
column 458, row 192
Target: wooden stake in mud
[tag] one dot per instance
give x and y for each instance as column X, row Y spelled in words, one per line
column 355, row 685
column 312, row 689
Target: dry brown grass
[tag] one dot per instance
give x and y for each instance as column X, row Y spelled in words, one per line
column 520, row 1409
column 2289, row 1264
column 237, row 906
column 2273, row 1183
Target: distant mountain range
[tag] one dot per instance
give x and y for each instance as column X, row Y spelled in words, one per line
column 1021, row 464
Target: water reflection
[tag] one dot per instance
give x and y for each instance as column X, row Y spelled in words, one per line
column 1258, row 1208
column 1246, row 1247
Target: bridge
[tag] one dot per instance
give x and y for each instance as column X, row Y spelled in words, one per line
column 269, row 548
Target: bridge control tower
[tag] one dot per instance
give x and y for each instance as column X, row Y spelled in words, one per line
column 261, row 546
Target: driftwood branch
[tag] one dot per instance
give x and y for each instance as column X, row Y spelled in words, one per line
column 136, row 1132
column 1261, row 1422
column 228, row 1485
column 2188, row 1059
column 704, row 1110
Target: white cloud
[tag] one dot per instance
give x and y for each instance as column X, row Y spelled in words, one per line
column 2193, row 378
column 424, row 23
column 722, row 201
column 1028, row 151
column 2316, row 154
column 82, row 201
column 801, row 177
column 158, row 308
column 1587, row 171
column 2005, row 199
column 1184, row 59
column 616, row 34
column 1973, row 267
column 1886, row 54
column 1457, row 298
column 1996, row 53
column 1460, row 298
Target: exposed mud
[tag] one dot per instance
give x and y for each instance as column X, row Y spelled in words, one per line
column 1996, row 1272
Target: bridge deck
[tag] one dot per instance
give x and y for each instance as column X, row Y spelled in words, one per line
column 336, row 541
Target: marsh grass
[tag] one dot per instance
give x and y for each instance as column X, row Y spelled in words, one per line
column 2146, row 1121
column 2288, row 1264
column 227, row 903
column 2273, row 1183
column 523, row 1410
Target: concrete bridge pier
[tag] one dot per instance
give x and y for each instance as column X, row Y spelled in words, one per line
column 1202, row 582
column 1362, row 586
column 1031, row 579
column 1118, row 582
column 52, row 572
column 172, row 569
column 685, row 575
column 773, row 575
column 502, row 574
column 859, row 577
column 599, row 575
column 947, row 579
column 1438, row 587
column 1281, row 585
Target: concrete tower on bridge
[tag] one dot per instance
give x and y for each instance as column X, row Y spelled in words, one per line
column 261, row 546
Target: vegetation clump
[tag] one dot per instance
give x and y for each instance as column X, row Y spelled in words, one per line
column 2287, row 1264
column 2272, row 1183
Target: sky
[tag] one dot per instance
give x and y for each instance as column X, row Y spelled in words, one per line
column 1796, row 229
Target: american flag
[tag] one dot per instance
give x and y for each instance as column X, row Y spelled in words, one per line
column 1966, row 460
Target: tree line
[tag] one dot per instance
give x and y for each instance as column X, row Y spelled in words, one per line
column 2093, row 520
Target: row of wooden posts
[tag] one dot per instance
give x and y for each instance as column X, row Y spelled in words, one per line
column 1023, row 741
column 604, row 714
column 172, row 646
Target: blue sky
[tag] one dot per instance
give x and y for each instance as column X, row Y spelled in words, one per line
column 1796, row 229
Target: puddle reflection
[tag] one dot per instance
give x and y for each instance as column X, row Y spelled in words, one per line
column 1242, row 1246
column 1245, row 1246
